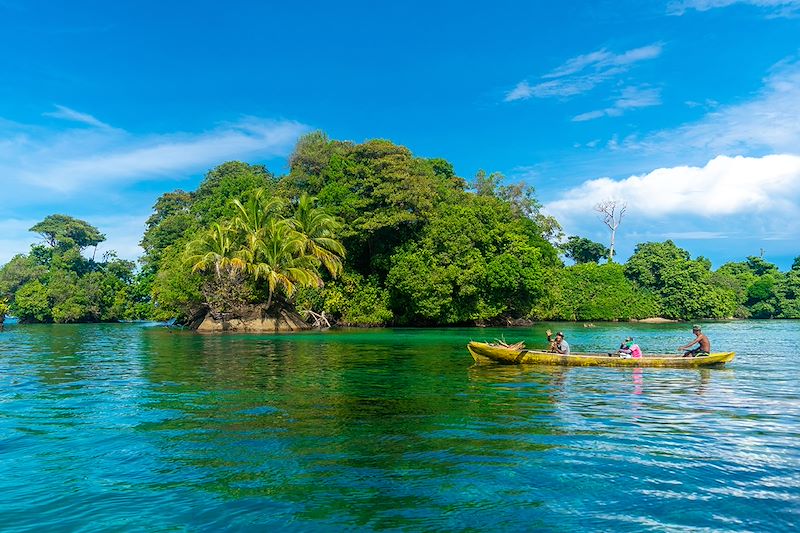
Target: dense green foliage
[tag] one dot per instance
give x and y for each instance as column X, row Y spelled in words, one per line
column 4, row 308
column 260, row 251
column 351, row 299
column 582, row 250
column 370, row 234
column 588, row 291
column 56, row 283
column 474, row 262
column 64, row 232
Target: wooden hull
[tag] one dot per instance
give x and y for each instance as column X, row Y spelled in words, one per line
column 486, row 353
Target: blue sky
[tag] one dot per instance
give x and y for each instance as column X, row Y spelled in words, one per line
column 688, row 111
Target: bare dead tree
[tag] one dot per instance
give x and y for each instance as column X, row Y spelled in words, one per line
column 611, row 213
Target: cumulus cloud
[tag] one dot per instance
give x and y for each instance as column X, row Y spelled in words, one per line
column 730, row 179
column 583, row 73
column 725, row 185
column 628, row 98
column 726, row 188
column 777, row 8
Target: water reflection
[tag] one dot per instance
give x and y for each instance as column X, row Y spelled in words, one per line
column 313, row 422
column 383, row 429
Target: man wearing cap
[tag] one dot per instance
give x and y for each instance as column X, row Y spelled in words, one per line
column 558, row 345
column 703, row 344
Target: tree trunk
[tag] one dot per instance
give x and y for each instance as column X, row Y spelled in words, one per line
column 611, row 248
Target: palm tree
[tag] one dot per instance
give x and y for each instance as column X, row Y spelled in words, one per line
column 275, row 254
column 260, row 243
column 317, row 229
column 215, row 250
column 253, row 214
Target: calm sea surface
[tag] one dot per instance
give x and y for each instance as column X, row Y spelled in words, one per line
column 133, row 427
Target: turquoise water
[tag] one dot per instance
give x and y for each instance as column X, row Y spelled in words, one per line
column 131, row 427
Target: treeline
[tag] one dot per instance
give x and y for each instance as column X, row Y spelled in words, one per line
column 56, row 282
column 371, row 234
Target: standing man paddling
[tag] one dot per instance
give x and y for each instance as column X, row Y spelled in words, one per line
column 558, row 345
column 703, row 344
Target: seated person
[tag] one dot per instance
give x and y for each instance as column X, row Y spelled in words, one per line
column 558, row 345
column 703, row 344
column 628, row 349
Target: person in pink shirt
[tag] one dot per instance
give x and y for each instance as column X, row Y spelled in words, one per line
column 629, row 349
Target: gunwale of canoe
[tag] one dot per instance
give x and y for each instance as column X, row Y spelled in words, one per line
column 485, row 353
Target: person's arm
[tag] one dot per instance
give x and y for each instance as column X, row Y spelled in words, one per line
column 551, row 345
column 687, row 346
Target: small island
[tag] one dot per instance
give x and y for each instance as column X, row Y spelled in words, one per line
column 369, row 235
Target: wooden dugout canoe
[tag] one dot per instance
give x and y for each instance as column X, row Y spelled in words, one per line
column 487, row 353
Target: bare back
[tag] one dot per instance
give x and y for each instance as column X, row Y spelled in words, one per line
column 705, row 344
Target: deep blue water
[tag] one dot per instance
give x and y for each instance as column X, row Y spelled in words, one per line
column 131, row 427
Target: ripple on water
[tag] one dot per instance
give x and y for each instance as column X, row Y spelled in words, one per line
column 120, row 427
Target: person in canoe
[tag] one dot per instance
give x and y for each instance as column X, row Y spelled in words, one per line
column 557, row 345
column 628, row 349
column 703, row 344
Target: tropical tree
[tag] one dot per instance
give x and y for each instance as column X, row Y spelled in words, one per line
column 275, row 255
column 212, row 201
column 475, row 262
column 170, row 221
column 789, row 291
column 522, row 200
column 66, row 232
column 251, row 217
column 685, row 287
column 583, row 250
column 317, row 230
column 260, row 249
column 589, row 291
column 215, row 250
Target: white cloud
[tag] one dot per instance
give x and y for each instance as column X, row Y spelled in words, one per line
column 768, row 123
column 89, row 172
column 629, row 98
column 72, row 160
column 709, row 103
column 779, row 8
column 15, row 237
column 591, row 115
column 526, row 173
column 712, row 199
column 66, row 113
column 603, row 61
column 583, row 73
column 522, row 91
column 730, row 179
